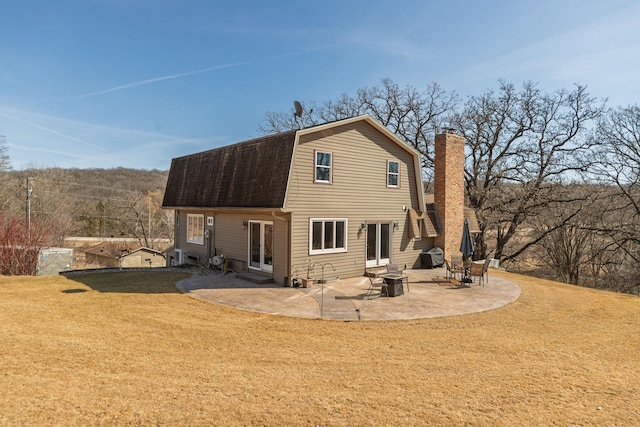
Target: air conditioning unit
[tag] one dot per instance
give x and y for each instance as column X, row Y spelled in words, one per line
column 181, row 256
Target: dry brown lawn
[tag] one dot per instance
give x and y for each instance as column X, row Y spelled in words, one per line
column 127, row 349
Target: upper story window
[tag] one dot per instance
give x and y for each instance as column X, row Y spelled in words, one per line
column 327, row 235
column 195, row 228
column 393, row 173
column 323, row 172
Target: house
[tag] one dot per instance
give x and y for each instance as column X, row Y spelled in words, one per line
column 122, row 254
column 338, row 198
column 142, row 257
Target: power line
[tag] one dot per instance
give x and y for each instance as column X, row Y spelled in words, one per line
column 84, row 196
column 98, row 186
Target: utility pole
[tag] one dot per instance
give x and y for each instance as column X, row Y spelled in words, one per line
column 29, row 195
column 150, row 243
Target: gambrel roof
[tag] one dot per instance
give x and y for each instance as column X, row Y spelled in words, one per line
column 250, row 174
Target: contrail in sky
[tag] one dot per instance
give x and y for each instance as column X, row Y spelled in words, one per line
column 191, row 73
column 52, row 131
column 159, row 79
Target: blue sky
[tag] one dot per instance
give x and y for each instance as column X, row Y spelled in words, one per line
column 134, row 83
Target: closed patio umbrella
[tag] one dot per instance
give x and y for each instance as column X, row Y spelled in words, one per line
column 466, row 247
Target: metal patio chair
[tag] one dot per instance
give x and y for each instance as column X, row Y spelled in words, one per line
column 481, row 271
column 453, row 271
column 375, row 283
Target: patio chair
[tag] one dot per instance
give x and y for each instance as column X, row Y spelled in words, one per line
column 453, row 270
column 393, row 269
column 480, row 270
column 374, row 283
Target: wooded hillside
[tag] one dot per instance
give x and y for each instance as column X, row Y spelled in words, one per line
column 116, row 202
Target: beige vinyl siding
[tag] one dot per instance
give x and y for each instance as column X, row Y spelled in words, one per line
column 281, row 258
column 358, row 192
column 230, row 238
column 139, row 258
column 194, row 249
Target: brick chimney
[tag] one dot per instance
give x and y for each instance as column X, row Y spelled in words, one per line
column 449, row 190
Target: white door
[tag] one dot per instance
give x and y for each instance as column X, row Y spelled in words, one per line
column 378, row 244
column 261, row 245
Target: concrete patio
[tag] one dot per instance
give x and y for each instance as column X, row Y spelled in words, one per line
column 429, row 295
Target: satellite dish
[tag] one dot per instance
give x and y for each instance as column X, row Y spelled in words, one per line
column 298, row 108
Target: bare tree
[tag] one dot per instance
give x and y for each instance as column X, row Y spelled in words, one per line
column 618, row 137
column 137, row 218
column 5, row 164
column 414, row 116
column 574, row 252
column 161, row 225
column 521, row 145
column 583, row 251
column 20, row 245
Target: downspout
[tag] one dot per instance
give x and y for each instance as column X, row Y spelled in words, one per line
column 176, row 229
column 176, row 234
column 210, row 236
column 215, row 249
column 207, row 239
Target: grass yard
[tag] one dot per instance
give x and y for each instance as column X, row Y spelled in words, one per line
column 127, row 349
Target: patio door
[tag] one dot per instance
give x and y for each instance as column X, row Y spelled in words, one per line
column 261, row 245
column 378, row 243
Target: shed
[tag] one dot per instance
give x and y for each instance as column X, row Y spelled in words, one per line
column 52, row 261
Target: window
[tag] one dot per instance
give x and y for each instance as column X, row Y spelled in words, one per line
column 393, row 173
column 195, row 229
column 327, row 235
column 323, row 167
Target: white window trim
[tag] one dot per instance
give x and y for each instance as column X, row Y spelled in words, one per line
column 316, row 166
column 331, row 250
column 200, row 239
column 393, row 173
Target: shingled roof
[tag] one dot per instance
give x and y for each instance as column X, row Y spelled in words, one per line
column 469, row 214
column 250, row 174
